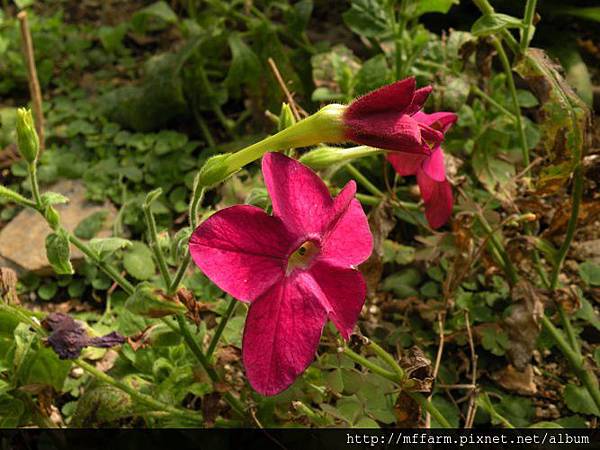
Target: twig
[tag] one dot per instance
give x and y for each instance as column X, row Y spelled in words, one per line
column 296, row 110
column 473, row 394
column 34, row 84
column 436, row 367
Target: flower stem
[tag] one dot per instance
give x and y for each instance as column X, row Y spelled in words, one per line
column 363, row 180
column 233, row 401
column 513, row 93
column 323, row 126
column 135, row 394
column 528, row 21
column 35, row 187
column 108, row 269
column 219, row 331
column 430, row 408
column 180, row 273
column 375, row 368
column 509, row 268
column 587, row 378
column 571, row 226
column 389, row 359
column 154, row 244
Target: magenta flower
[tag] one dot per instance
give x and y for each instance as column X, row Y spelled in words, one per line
column 296, row 268
column 430, row 171
column 387, row 118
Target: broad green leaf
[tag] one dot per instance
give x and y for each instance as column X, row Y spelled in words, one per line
column 587, row 313
column 58, row 252
column 101, row 404
column 149, row 302
column 367, row 18
column 591, row 13
column 590, row 273
column 492, row 23
column 155, row 17
column 434, row 6
column 495, row 340
column 91, row 225
column 448, row 410
column 11, row 410
column 579, row 400
column 373, row 74
column 139, row 262
column 103, row 246
column 111, row 38
column 299, row 15
column 245, row 66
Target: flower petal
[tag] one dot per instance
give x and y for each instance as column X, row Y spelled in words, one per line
column 419, row 99
column 348, row 240
column 441, row 121
column 406, row 164
column 343, row 294
column 434, row 165
column 300, row 198
column 282, row 333
column 438, row 199
column 391, row 99
column 242, row 250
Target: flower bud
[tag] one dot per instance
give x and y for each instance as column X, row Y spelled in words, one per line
column 27, row 138
column 324, row 157
column 286, row 117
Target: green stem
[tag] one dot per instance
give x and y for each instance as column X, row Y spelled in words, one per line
column 568, row 326
column 513, row 93
column 180, row 273
column 430, row 408
column 35, row 187
column 323, row 126
column 389, row 359
column 219, row 331
column 571, row 226
column 527, row 34
column 363, row 180
column 587, row 378
column 136, row 394
column 233, row 401
column 371, row 366
column 103, row 265
column 154, row 244
column 493, row 102
column 509, row 268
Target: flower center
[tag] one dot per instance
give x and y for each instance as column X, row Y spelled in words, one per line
column 302, row 256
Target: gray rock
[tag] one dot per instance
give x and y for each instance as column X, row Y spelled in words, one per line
column 22, row 240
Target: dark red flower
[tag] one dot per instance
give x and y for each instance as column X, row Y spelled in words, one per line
column 385, row 118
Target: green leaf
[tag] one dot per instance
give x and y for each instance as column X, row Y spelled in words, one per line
column 149, row 302
column 591, row 13
column 434, row 6
column 492, row 23
column 373, row 74
column 11, row 410
column 157, row 16
column 299, row 15
column 579, row 400
column 367, row 18
column 53, row 198
column 58, row 252
column 111, row 38
column 138, row 261
column 590, row 273
column 587, row 313
column 91, row 225
column 448, row 410
column 47, row 291
column 495, row 341
column 245, row 66
column 526, row 99
column 103, row 246
column 101, row 405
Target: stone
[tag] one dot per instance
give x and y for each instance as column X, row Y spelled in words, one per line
column 22, row 240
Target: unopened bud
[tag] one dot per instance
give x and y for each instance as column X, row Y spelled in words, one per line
column 215, row 170
column 27, row 138
column 286, row 117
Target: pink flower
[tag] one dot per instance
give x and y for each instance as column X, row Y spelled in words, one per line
column 430, row 171
column 296, row 268
column 387, row 118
